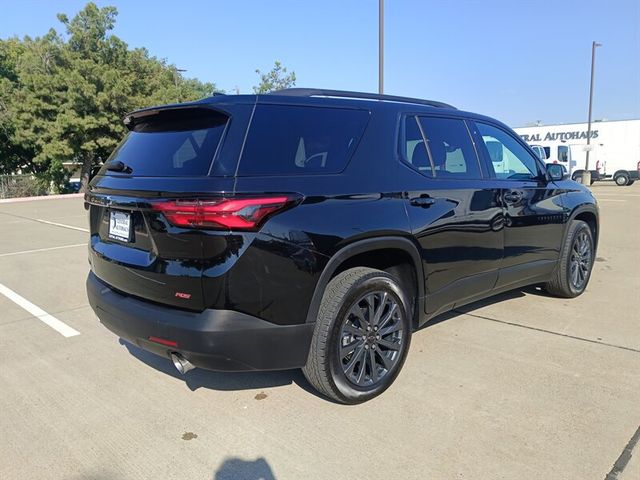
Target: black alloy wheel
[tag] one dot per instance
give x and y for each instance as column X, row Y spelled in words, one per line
column 371, row 338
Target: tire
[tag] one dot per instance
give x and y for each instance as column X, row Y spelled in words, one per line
column 566, row 282
column 630, row 182
column 577, row 178
column 343, row 350
column 622, row 180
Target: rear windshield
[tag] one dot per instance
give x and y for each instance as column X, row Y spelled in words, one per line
column 171, row 143
column 286, row 140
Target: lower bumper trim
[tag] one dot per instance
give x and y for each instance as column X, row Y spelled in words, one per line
column 223, row 340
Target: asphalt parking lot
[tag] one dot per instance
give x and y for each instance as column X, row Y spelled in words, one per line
column 521, row 386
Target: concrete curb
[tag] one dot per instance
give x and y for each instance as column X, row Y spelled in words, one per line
column 43, row 197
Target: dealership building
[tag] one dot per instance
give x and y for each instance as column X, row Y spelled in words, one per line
column 615, row 144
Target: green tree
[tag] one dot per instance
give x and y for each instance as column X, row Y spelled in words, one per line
column 275, row 79
column 63, row 98
column 12, row 155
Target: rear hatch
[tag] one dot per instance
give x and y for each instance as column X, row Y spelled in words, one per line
column 144, row 203
column 174, row 204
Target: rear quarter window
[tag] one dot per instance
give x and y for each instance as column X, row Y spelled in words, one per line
column 289, row 140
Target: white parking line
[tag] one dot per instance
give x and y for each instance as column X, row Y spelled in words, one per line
column 601, row 194
column 61, row 225
column 42, row 249
column 59, row 326
column 610, row 200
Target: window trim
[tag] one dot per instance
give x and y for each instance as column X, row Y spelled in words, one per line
column 484, row 175
column 427, row 148
column 487, row 160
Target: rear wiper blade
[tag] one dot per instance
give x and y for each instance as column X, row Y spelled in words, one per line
column 118, row 166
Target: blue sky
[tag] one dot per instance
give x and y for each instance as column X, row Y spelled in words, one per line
column 519, row 61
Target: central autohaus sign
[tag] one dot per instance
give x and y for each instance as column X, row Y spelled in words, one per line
column 559, row 136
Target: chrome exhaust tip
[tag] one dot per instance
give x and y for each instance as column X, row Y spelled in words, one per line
column 182, row 364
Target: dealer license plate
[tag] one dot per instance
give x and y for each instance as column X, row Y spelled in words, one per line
column 120, row 226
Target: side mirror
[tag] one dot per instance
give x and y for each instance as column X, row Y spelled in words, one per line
column 555, row 172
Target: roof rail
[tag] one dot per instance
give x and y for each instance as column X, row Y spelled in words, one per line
column 318, row 92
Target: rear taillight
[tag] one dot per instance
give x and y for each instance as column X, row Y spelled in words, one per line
column 638, row 167
column 228, row 213
column 598, row 165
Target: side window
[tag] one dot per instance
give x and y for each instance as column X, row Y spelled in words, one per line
column 413, row 148
column 288, row 140
column 450, row 148
column 563, row 153
column 509, row 159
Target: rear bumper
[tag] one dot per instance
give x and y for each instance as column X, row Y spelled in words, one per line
column 222, row 340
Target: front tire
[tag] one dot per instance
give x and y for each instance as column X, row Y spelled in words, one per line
column 573, row 271
column 361, row 338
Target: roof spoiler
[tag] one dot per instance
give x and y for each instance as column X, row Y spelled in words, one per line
column 131, row 117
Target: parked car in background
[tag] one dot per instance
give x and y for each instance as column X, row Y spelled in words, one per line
column 318, row 229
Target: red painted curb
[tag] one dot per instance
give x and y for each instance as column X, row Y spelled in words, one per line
column 42, row 197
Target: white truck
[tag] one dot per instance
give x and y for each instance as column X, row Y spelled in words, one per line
column 614, row 148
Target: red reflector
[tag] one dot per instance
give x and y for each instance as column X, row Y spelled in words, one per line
column 162, row 341
column 231, row 213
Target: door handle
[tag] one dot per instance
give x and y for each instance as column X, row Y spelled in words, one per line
column 422, row 201
column 512, row 197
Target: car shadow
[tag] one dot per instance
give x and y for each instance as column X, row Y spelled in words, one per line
column 224, row 381
column 236, row 468
column 470, row 308
column 229, row 381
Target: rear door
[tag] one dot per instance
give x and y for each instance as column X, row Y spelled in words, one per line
column 532, row 206
column 167, row 157
column 455, row 216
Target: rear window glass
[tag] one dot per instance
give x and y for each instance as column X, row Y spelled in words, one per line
column 167, row 144
column 286, row 140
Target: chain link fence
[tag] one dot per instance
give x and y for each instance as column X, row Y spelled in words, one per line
column 12, row 186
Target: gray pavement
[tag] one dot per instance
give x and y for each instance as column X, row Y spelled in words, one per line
column 519, row 386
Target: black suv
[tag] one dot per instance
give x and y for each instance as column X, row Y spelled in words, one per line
column 317, row 229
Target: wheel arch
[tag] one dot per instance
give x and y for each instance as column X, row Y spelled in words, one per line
column 621, row 172
column 368, row 253
column 588, row 214
column 577, row 173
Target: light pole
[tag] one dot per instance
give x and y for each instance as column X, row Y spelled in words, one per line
column 586, row 176
column 380, row 47
column 175, row 80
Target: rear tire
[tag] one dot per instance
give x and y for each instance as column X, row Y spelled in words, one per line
column 573, row 271
column 630, row 182
column 622, row 180
column 361, row 337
